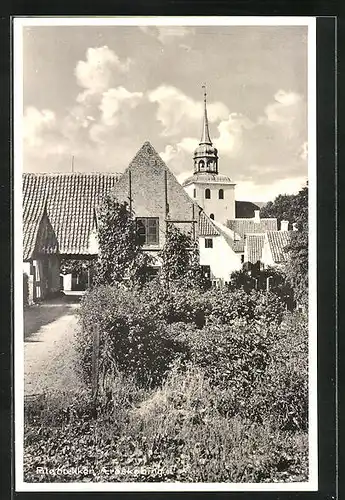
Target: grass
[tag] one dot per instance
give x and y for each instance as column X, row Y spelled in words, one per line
column 175, row 432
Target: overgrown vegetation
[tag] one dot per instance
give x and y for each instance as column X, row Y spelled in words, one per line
column 194, row 384
column 120, row 258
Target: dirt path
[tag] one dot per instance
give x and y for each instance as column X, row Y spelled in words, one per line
column 49, row 351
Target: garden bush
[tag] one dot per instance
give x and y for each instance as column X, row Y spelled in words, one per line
column 258, row 371
column 132, row 338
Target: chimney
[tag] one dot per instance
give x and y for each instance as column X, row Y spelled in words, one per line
column 284, row 225
column 256, row 215
column 294, row 226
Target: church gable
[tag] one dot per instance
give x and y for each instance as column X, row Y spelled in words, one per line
column 153, row 191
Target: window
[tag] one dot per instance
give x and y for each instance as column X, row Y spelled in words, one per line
column 201, row 165
column 206, row 271
column 242, row 258
column 208, row 243
column 148, row 230
column 194, row 193
column 212, row 216
column 221, row 194
column 207, row 194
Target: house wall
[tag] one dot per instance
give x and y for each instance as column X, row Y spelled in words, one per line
column 223, row 210
column 67, row 282
column 147, row 172
column 43, row 280
column 27, row 270
column 54, row 270
column 221, row 258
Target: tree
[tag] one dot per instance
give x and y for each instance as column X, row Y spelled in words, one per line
column 180, row 258
column 296, row 267
column 290, row 207
column 294, row 208
column 121, row 259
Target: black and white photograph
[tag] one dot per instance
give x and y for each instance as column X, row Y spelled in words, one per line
column 165, row 254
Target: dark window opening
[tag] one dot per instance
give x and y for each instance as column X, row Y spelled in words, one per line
column 194, row 193
column 212, row 216
column 206, row 271
column 201, row 164
column 148, row 230
column 208, row 243
column 207, row 194
column 221, row 194
column 242, row 258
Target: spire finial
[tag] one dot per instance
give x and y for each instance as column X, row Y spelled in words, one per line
column 205, row 138
column 205, row 92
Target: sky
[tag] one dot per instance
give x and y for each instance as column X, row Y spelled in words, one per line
column 97, row 93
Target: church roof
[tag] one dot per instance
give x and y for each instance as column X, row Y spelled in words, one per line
column 69, row 200
column 207, row 177
column 278, row 241
column 205, row 136
column 207, row 226
column 245, row 209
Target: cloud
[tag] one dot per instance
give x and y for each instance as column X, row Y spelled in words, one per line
column 36, row 123
column 177, row 112
column 115, row 99
column 303, row 152
column 96, row 74
column 167, row 34
column 253, row 191
column 229, row 141
column 287, row 112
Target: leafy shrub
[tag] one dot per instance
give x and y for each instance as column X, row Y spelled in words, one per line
column 132, row 339
column 226, row 306
column 259, row 371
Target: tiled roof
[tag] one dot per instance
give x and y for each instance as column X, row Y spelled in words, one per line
column 278, row 241
column 254, row 245
column 69, row 200
column 229, row 236
column 245, row 226
column 206, row 226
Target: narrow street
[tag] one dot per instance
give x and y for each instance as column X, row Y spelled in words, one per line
column 49, row 346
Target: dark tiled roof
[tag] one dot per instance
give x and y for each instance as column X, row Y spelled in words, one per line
column 201, row 177
column 206, row 226
column 278, row 241
column 245, row 209
column 254, row 244
column 69, row 200
column 46, row 241
column 245, row 226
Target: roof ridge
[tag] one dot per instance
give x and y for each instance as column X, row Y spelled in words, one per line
column 71, row 173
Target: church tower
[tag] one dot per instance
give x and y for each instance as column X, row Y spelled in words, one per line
column 214, row 192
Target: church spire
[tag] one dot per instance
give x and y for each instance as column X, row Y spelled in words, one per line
column 205, row 137
column 205, row 155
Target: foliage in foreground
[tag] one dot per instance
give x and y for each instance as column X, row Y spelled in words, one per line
column 195, row 385
column 177, row 432
column 133, row 324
